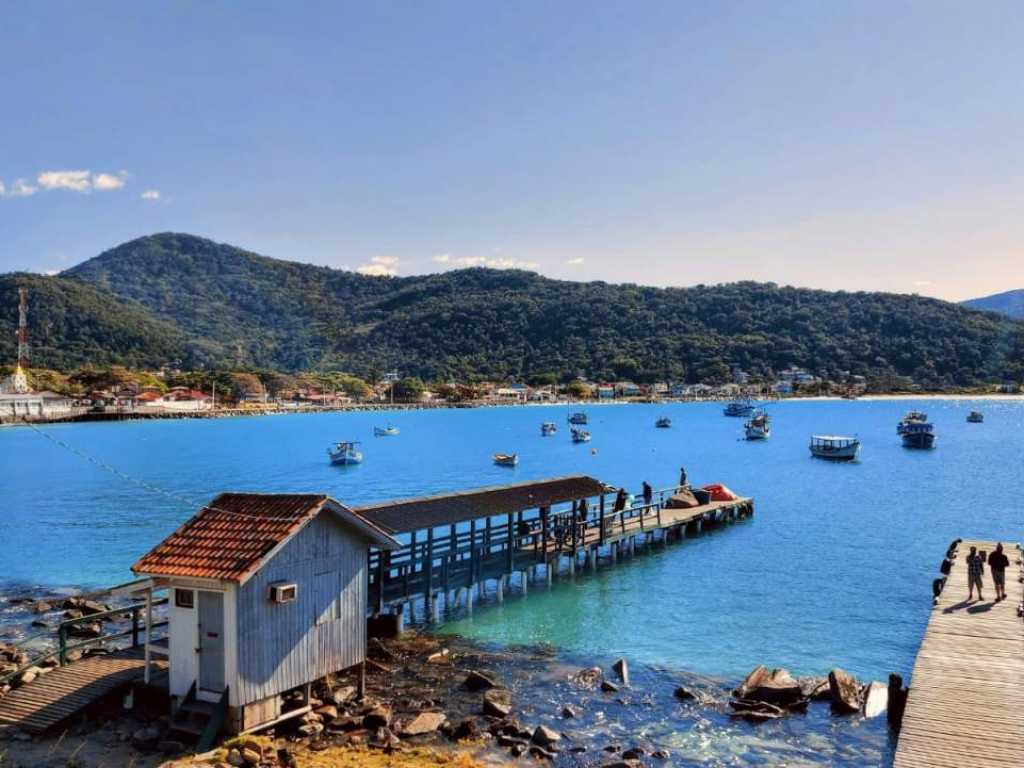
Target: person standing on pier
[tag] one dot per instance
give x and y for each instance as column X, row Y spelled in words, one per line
column 682, row 477
column 620, row 501
column 648, row 494
column 975, row 567
column 998, row 562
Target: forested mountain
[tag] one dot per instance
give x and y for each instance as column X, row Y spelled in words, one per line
column 1009, row 303
column 233, row 308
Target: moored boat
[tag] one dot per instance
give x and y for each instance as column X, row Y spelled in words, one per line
column 975, row 417
column 345, row 453
column 913, row 417
column 506, row 459
column 740, row 408
column 835, row 447
column 759, row 426
column 548, row 428
column 918, row 434
column 663, row 423
column 580, row 436
column 578, row 418
column 388, row 431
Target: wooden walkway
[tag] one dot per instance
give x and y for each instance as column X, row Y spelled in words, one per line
column 61, row 693
column 966, row 701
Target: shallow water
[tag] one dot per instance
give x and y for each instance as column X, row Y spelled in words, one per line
column 834, row 569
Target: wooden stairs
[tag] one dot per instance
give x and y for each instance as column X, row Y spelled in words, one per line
column 200, row 721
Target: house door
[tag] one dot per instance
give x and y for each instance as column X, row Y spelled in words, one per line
column 211, row 641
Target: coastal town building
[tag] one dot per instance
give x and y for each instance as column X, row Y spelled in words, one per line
column 35, row 405
column 267, row 593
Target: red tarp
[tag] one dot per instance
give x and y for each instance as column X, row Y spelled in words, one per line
column 720, row 492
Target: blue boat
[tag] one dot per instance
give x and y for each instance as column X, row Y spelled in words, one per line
column 345, row 453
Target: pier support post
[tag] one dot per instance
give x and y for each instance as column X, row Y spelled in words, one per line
column 614, row 551
column 548, row 575
column 592, row 558
column 524, row 580
column 469, row 600
column 500, row 586
column 572, row 564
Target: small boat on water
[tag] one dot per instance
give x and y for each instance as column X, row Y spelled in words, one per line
column 506, row 459
column 913, row 417
column 580, row 436
column 548, row 428
column 388, row 431
column 345, row 453
column 835, row 447
column 742, row 408
column 663, row 423
column 578, row 418
column 975, row 417
column 759, row 427
column 918, row 434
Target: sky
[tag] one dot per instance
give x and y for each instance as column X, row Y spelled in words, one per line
column 853, row 145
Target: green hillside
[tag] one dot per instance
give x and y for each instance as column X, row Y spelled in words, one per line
column 235, row 308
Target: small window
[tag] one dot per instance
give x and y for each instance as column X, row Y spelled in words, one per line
column 184, row 598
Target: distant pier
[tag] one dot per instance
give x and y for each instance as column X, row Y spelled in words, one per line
column 459, row 543
column 966, row 699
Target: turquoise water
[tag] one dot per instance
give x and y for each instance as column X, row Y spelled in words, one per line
column 834, row 569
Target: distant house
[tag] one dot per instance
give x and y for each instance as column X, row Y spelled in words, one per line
column 513, row 394
column 45, row 405
column 627, row 389
column 185, row 399
column 605, row 391
column 268, row 593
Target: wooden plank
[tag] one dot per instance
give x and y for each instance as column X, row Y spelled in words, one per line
column 967, row 688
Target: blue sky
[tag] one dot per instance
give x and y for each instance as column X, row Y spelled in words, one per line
column 851, row 145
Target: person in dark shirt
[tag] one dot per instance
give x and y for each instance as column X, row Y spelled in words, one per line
column 682, row 477
column 998, row 562
column 975, row 568
column 648, row 493
column 620, row 501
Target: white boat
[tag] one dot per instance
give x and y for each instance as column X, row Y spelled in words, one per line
column 388, row 431
column 663, row 423
column 345, row 453
column 506, row 459
column 759, row 427
column 975, row 417
column 580, row 436
column 548, row 428
column 578, row 418
column 739, row 408
column 835, row 447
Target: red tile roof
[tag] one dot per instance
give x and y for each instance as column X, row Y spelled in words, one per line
column 230, row 538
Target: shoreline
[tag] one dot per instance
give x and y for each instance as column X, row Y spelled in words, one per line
column 226, row 413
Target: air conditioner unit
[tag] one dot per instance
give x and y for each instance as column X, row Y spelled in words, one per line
column 284, row 592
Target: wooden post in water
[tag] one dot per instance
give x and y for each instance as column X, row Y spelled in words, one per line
column 601, row 519
column 430, row 573
column 411, row 566
column 472, row 553
column 510, row 555
column 380, row 580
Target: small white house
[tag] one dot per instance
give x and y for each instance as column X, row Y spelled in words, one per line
column 267, row 593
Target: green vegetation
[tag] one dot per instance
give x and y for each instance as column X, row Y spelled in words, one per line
column 174, row 297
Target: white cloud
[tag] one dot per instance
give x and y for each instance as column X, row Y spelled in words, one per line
column 76, row 181
column 471, row 261
column 442, row 258
column 51, row 272
column 21, row 188
column 151, row 194
column 504, row 263
column 577, row 260
column 922, row 283
column 107, row 181
column 380, row 266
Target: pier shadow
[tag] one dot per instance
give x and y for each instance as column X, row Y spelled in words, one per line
column 970, row 607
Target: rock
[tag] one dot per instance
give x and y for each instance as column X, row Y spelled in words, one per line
column 424, row 722
column 343, row 695
column 569, row 711
column 623, row 764
column 660, row 754
column 42, row 607
column 844, row 690
column 28, row 675
column 588, row 678
column 814, row 688
column 774, row 687
column 344, row 724
column 310, row 729
column 497, row 702
column 682, row 694
column 74, row 655
column 377, row 650
column 328, row 712
column 88, row 630
column 876, row 699
column 441, row 657
column 755, row 711
column 251, row 756
column 147, row 738
column 609, row 687
column 40, row 623
column 536, row 750
column 518, row 750
column 621, row 669
column 545, row 736
column 378, row 717
column 170, row 747
column 466, row 729
column 478, row 681
column 634, row 753
column 235, row 758
column 384, row 739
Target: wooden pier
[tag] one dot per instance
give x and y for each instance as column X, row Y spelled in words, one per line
column 966, row 699
column 458, row 543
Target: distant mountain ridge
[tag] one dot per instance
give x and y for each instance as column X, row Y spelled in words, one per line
column 179, row 297
column 1009, row 303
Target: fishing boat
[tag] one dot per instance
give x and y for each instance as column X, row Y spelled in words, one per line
column 913, row 417
column 741, row 408
column 918, row 434
column 548, row 428
column 580, row 436
column 663, row 423
column 506, row 459
column 578, row 418
column 835, row 447
column 975, row 417
column 388, row 431
column 345, row 453
column 759, row 427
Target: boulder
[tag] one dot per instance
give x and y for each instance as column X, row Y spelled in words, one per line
column 545, row 736
column 328, row 712
column 876, row 699
column 343, row 695
column 815, row 688
column 497, row 702
column 683, row 695
column 466, row 729
column 235, row 758
column 569, row 711
column 774, row 687
column 424, row 722
column 384, row 739
column 88, row 630
column 29, row 675
column 621, row 669
column 844, row 691
column 588, row 678
column 147, row 738
column 634, row 753
column 609, row 687
column 478, row 681
column 378, row 717
column 441, row 657
column 42, row 607
column 536, row 750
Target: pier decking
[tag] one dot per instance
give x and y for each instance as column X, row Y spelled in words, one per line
column 967, row 691
column 64, row 691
